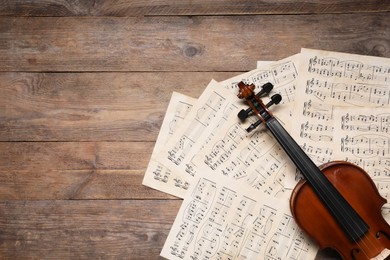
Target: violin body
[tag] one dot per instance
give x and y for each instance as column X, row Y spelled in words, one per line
column 361, row 193
column 337, row 204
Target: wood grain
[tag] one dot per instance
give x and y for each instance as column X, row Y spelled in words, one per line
column 185, row 7
column 75, row 170
column 84, row 86
column 85, row 229
column 196, row 43
column 91, row 106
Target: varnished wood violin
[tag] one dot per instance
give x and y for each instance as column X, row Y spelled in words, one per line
column 337, row 204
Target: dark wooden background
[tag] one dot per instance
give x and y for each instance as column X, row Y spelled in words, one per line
column 83, row 90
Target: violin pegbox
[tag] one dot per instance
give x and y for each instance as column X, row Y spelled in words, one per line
column 256, row 105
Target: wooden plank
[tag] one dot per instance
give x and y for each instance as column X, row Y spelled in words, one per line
column 184, row 7
column 75, row 155
column 195, row 43
column 85, row 229
column 91, row 106
column 76, row 184
column 75, row 170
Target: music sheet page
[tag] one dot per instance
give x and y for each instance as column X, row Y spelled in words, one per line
column 282, row 74
column 329, row 79
column 255, row 158
column 212, row 111
column 220, row 219
column 362, row 137
column 236, row 184
column 208, row 114
column 158, row 176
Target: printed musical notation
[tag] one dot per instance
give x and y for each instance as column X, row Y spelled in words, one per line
column 354, row 67
column 363, row 138
column 223, row 220
column 330, row 79
column 282, row 74
column 158, row 176
column 245, row 157
column 208, row 114
column 254, row 159
column 211, row 112
column 235, row 185
column 351, row 93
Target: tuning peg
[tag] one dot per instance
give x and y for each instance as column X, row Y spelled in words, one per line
column 275, row 99
column 265, row 89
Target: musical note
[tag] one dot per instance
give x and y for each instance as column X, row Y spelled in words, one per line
column 208, row 114
column 198, row 128
column 282, row 74
column 331, row 79
column 363, row 139
column 287, row 231
column 351, row 93
column 157, row 175
column 237, row 183
column 354, row 67
column 219, row 219
column 255, row 159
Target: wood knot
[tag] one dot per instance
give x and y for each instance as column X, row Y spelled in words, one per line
column 191, row 50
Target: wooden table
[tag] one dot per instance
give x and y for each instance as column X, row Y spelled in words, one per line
column 83, row 90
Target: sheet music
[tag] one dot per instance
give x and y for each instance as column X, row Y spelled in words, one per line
column 363, row 138
column 158, row 176
column 282, row 74
column 235, row 184
column 223, row 220
column 208, row 114
column 255, row 158
column 328, row 79
column 216, row 103
column 248, row 166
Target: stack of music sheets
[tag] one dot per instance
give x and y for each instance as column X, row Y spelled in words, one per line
column 236, row 185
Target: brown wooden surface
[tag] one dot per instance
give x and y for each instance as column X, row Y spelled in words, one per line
column 83, row 90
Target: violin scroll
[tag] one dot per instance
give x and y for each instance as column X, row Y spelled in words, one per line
column 338, row 204
column 255, row 104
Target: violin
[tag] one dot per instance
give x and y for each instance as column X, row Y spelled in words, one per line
column 336, row 204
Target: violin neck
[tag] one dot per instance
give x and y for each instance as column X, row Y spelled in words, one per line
column 352, row 224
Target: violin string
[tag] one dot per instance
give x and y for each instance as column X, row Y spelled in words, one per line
column 351, row 218
column 370, row 237
column 332, row 200
column 345, row 212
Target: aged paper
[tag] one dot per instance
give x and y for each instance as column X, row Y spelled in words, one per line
column 262, row 63
column 220, row 219
column 158, row 176
column 282, row 74
column 328, row 79
column 208, row 114
column 362, row 137
column 211, row 112
column 255, row 158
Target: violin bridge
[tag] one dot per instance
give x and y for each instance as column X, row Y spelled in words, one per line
column 383, row 255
